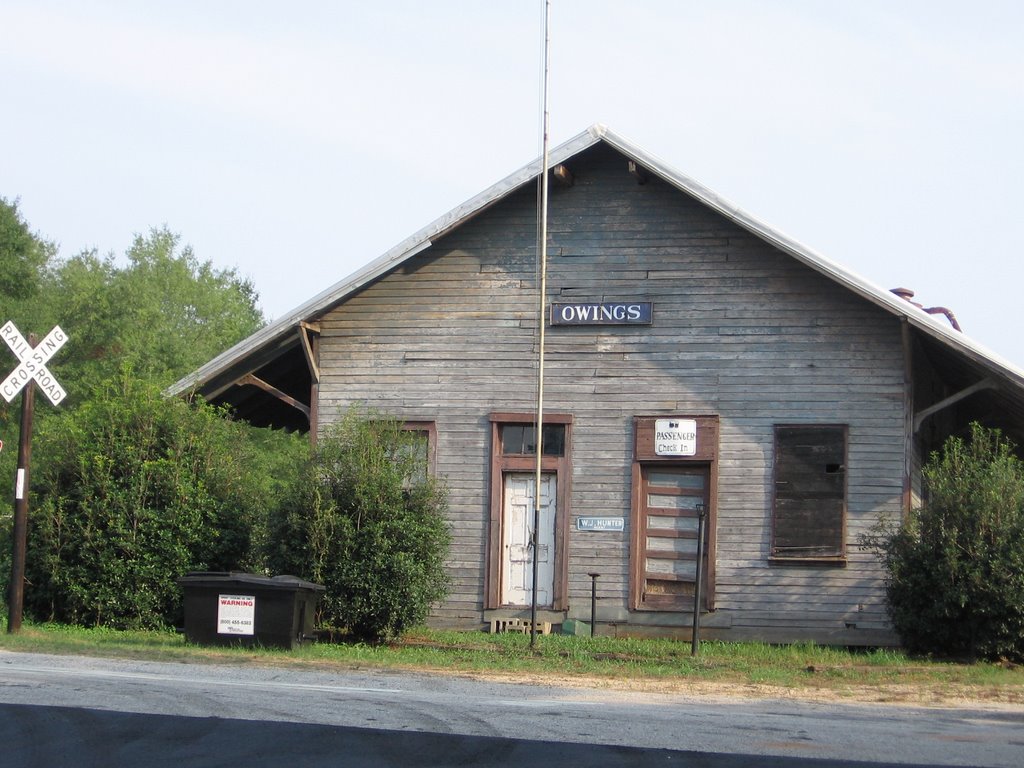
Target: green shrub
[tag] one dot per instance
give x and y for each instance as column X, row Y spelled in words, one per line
column 130, row 491
column 956, row 566
column 369, row 524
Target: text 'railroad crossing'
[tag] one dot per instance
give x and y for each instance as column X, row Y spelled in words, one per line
column 33, row 363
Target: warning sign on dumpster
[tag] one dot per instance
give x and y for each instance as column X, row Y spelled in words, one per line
column 236, row 614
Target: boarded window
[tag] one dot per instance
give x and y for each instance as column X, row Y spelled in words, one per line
column 810, row 492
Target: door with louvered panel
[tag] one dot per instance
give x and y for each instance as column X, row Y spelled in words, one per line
column 671, row 498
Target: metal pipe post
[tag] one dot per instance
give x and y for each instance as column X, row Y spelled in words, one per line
column 542, row 287
column 593, row 602
column 695, row 641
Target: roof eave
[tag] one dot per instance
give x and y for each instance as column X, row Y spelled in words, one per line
column 412, row 245
column 879, row 296
column 421, row 240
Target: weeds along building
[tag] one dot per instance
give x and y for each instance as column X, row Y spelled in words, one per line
column 695, row 359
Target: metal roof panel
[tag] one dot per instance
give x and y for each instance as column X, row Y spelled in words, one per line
column 277, row 331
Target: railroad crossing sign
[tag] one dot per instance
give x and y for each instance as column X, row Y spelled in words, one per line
column 31, row 367
column 33, row 363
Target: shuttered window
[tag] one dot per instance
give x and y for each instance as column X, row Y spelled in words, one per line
column 669, row 492
column 672, row 500
column 809, row 515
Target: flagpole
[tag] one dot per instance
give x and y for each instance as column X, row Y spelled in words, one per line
column 542, row 284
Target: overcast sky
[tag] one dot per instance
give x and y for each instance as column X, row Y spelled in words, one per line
column 299, row 141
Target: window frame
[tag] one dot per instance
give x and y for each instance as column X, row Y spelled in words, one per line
column 645, row 455
column 429, row 429
column 837, row 556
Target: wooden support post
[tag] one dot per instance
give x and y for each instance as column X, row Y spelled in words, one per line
column 256, row 381
column 19, row 534
column 951, row 400
column 909, row 434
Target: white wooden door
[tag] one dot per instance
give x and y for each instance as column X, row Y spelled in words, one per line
column 517, row 553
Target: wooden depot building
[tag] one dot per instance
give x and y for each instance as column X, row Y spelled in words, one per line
column 695, row 359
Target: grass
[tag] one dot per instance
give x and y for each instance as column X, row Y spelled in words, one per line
column 648, row 664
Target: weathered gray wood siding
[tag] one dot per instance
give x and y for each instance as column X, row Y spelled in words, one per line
column 740, row 330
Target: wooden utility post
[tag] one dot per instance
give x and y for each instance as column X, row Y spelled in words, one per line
column 19, row 534
column 32, row 367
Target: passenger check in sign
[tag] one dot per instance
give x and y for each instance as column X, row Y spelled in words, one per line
column 33, row 363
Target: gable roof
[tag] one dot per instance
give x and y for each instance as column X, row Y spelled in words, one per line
column 281, row 336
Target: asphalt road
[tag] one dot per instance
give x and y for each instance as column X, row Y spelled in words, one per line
column 83, row 711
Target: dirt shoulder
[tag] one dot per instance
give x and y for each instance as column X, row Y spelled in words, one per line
column 949, row 696
column 850, row 684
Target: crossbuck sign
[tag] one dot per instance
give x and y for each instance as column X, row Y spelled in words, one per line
column 33, row 363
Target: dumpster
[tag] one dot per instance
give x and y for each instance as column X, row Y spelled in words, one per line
column 229, row 608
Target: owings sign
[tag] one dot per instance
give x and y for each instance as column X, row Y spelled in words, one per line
column 603, row 313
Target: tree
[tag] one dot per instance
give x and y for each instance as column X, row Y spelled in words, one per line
column 134, row 490
column 24, row 261
column 165, row 313
column 956, row 566
column 24, row 258
column 23, row 255
column 369, row 524
column 134, row 325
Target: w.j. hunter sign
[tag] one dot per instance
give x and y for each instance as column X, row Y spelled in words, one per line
column 604, row 313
